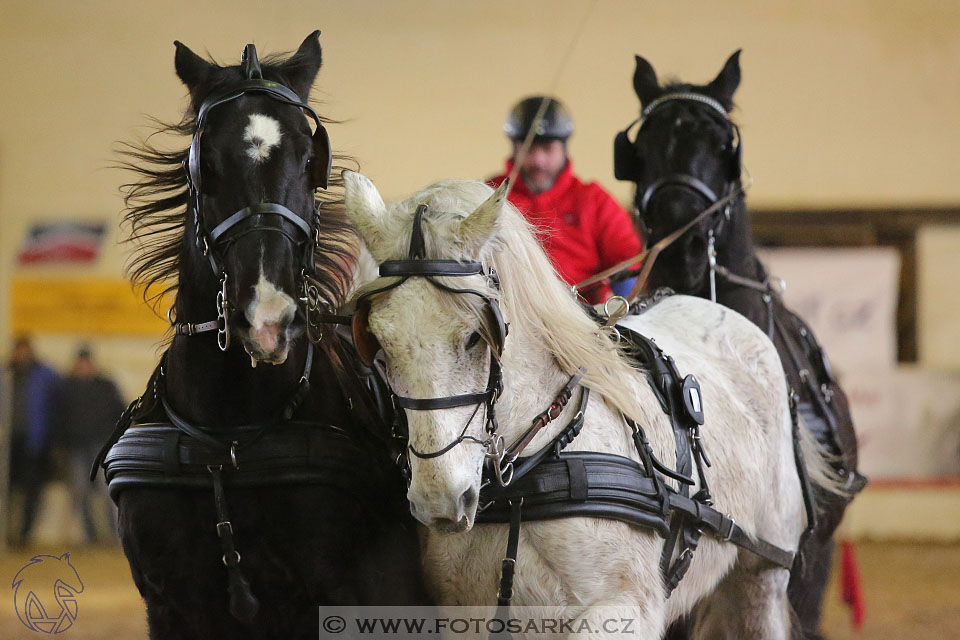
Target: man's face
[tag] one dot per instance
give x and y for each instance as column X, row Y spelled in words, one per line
column 542, row 164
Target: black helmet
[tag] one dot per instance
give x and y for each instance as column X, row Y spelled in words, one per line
column 556, row 123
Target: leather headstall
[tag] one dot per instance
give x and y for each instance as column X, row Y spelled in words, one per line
column 628, row 164
column 416, row 265
column 258, row 217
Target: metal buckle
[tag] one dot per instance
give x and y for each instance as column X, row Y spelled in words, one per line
column 225, row 524
column 236, row 555
column 733, row 525
column 233, row 454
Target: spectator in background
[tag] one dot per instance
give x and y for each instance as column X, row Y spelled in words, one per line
column 88, row 405
column 586, row 231
column 34, row 394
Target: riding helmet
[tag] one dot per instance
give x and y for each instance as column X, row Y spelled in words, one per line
column 556, row 123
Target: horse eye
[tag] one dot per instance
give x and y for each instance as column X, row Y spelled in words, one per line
column 473, row 340
column 308, row 164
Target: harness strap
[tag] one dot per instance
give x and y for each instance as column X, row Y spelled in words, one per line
column 447, row 402
column 192, row 329
column 299, row 395
column 618, row 488
column 547, row 416
column 243, row 604
column 509, row 565
column 417, row 267
column 808, row 500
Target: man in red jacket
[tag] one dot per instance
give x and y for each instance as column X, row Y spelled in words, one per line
column 582, row 228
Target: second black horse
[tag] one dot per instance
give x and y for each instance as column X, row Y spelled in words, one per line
column 685, row 158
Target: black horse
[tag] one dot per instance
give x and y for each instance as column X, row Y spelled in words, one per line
column 686, row 157
column 254, row 479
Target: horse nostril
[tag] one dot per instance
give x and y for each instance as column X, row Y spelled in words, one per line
column 467, row 501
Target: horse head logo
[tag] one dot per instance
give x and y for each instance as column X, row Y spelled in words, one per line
column 45, row 593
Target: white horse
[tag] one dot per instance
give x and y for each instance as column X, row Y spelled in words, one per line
column 583, row 564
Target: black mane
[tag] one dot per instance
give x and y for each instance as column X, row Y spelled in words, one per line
column 155, row 212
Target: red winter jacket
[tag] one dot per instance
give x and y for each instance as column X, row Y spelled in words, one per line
column 583, row 229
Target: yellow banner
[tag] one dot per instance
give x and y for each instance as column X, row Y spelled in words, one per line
column 89, row 305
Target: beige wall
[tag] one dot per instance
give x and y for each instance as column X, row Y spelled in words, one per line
column 842, row 103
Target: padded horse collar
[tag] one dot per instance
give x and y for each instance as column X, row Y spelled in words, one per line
column 214, row 242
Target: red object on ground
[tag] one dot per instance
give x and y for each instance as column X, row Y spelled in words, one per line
column 851, row 588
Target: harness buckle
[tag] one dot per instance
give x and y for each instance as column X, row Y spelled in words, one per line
column 224, row 525
column 726, row 537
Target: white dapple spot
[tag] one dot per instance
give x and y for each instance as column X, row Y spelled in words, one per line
column 263, row 134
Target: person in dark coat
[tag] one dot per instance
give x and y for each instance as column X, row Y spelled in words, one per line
column 88, row 405
column 33, row 416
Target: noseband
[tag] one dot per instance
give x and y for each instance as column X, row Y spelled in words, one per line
column 260, row 217
column 417, row 266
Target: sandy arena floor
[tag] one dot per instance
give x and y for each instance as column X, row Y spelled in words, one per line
column 912, row 592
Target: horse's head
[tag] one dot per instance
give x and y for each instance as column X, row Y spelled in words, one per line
column 441, row 336
column 253, row 167
column 686, row 156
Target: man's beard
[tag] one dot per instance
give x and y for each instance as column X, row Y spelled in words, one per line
column 537, row 180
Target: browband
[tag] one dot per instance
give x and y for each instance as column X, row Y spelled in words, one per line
column 422, row 267
column 687, row 95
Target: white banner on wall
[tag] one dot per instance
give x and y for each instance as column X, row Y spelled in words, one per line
column 847, row 296
column 907, row 418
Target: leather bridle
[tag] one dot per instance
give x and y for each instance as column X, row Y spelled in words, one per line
column 627, row 164
column 418, row 266
column 260, row 217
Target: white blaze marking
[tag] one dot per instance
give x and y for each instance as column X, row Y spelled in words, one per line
column 269, row 309
column 270, row 305
column 263, row 134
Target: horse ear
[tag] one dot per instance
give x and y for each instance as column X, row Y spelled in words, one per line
column 725, row 84
column 645, row 81
column 191, row 68
column 479, row 226
column 365, row 208
column 302, row 68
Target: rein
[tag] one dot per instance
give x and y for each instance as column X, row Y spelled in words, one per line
column 649, row 256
